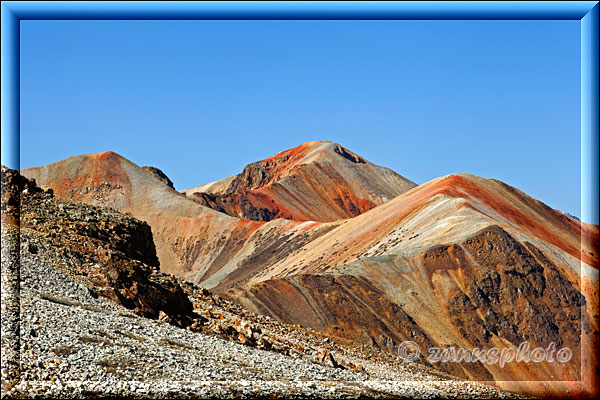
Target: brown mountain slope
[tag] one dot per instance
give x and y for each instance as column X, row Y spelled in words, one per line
column 316, row 181
column 458, row 261
column 472, row 262
column 192, row 241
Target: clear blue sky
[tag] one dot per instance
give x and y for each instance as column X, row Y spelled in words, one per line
column 201, row 99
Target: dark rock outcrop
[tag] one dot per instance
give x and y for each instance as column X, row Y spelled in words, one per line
column 113, row 253
column 13, row 184
column 513, row 292
column 348, row 155
column 257, row 174
column 158, row 174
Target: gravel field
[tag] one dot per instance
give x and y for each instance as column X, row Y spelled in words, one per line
column 87, row 314
column 74, row 344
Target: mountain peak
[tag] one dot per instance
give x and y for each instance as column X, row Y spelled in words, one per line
column 309, row 149
column 319, row 181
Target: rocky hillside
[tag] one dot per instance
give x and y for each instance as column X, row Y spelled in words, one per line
column 316, row 181
column 458, row 261
column 86, row 314
column 113, row 253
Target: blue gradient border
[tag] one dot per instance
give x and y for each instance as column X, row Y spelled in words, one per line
column 585, row 11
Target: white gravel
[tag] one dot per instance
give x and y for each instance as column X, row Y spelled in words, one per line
column 65, row 343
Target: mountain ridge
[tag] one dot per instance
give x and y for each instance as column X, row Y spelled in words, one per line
column 406, row 250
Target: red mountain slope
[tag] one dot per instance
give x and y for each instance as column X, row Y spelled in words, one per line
column 316, row 181
column 458, row 261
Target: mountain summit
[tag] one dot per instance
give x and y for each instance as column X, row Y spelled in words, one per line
column 316, row 181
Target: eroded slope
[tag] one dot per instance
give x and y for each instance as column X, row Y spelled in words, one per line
column 316, row 181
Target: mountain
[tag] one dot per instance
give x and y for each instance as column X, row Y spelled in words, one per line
column 316, row 181
column 458, row 261
column 192, row 241
column 113, row 253
column 86, row 314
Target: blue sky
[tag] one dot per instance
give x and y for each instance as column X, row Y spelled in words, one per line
column 201, row 99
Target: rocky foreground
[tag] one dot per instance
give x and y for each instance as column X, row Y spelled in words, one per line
column 459, row 261
column 87, row 313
